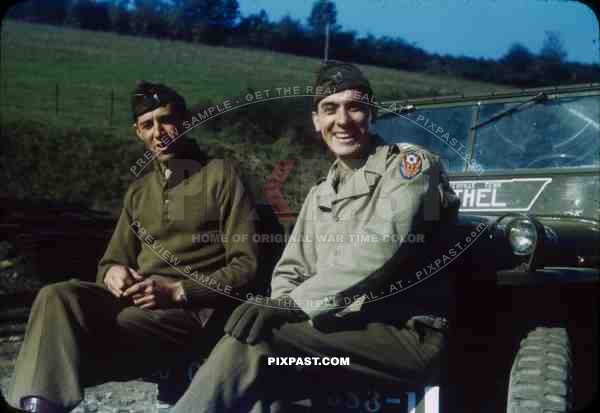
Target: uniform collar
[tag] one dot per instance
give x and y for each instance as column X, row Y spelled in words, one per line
column 366, row 175
column 173, row 171
column 377, row 161
column 161, row 168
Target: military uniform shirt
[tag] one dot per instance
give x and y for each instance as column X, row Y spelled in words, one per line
column 187, row 220
column 341, row 238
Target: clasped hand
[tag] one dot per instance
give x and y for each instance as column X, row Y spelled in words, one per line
column 155, row 291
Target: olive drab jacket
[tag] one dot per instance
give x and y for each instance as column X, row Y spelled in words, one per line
column 334, row 261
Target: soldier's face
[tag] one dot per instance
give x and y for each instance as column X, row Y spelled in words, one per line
column 343, row 122
column 159, row 130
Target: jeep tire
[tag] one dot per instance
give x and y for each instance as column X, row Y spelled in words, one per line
column 540, row 377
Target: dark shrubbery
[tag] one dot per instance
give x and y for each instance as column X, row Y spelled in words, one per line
column 91, row 167
column 77, row 165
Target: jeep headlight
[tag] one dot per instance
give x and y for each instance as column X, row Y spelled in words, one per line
column 522, row 236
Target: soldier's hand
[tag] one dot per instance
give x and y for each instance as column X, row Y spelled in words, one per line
column 119, row 277
column 155, row 291
column 255, row 319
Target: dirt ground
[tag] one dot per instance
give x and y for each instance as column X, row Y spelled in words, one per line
column 113, row 397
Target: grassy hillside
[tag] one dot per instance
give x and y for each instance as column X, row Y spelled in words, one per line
column 87, row 65
column 57, row 82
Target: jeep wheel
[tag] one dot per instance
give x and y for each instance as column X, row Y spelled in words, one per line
column 540, row 377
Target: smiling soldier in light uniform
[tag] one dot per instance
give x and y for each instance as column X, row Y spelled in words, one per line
column 322, row 300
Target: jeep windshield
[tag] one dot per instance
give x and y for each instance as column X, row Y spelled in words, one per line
column 510, row 152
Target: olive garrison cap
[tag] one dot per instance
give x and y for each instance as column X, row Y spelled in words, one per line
column 337, row 76
column 149, row 96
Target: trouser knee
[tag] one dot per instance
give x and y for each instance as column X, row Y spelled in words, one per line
column 58, row 293
column 135, row 318
column 232, row 355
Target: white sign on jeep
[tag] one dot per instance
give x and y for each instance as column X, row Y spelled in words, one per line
column 503, row 195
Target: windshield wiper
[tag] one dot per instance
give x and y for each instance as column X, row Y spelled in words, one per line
column 540, row 97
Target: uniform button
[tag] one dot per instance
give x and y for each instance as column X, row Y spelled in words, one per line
column 166, row 201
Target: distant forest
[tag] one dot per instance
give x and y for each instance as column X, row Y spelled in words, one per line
column 218, row 22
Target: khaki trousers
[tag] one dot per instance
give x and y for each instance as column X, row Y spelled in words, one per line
column 79, row 334
column 237, row 378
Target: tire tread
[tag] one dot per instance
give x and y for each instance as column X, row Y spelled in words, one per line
column 540, row 379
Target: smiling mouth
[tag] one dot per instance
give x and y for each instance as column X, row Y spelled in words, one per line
column 160, row 148
column 344, row 137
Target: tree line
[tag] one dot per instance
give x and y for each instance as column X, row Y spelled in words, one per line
column 219, row 22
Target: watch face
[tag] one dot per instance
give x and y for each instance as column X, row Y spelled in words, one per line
column 180, row 296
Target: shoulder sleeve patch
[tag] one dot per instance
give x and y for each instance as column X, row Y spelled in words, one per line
column 411, row 163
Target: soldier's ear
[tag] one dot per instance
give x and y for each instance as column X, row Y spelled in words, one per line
column 137, row 130
column 316, row 121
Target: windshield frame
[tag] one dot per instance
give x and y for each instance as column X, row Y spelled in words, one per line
column 476, row 102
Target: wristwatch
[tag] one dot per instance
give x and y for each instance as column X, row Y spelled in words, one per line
column 180, row 296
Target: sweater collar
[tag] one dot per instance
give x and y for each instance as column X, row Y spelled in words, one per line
column 173, row 171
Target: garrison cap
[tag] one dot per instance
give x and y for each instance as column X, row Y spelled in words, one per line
column 339, row 76
column 149, row 96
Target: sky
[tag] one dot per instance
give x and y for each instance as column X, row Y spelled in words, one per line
column 474, row 28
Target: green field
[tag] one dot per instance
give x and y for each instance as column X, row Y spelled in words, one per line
column 88, row 65
column 56, row 98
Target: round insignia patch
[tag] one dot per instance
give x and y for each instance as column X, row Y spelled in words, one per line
column 410, row 165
